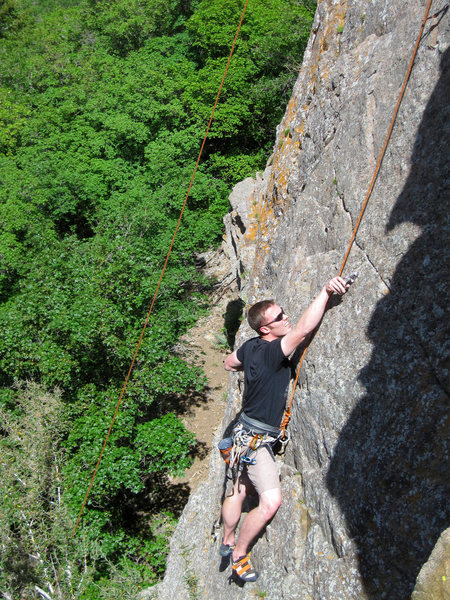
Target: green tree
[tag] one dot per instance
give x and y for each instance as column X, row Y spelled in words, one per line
column 271, row 42
column 12, row 18
column 126, row 25
column 34, row 523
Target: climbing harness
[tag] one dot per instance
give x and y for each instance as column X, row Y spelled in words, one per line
column 248, row 436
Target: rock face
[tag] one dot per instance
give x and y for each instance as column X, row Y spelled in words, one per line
column 433, row 582
column 365, row 477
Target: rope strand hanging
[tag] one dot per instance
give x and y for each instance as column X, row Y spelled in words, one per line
column 287, row 414
column 162, row 271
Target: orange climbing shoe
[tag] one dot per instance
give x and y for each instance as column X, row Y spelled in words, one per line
column 243, row 569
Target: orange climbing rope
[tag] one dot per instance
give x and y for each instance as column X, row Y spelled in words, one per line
column 162, row 271
column 287, row 414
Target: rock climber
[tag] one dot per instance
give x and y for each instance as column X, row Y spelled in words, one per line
column 267, row 372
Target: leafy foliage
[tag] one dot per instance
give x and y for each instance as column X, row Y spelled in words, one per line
column 103, row 106
column 33, row 520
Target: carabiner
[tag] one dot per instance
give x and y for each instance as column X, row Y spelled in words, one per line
column 255, row 441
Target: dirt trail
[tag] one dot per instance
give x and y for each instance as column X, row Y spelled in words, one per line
column 206, row 346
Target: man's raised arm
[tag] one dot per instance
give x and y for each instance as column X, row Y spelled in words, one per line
column 312, row 315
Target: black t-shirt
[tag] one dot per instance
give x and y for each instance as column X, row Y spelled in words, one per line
column 266, row 378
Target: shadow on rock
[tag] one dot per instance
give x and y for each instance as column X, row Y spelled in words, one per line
column 390, row 469
column 232, row 319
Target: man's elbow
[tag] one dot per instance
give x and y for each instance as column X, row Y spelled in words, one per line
column 231, row 365
column 227, row 365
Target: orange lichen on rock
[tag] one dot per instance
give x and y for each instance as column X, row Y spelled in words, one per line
column 259, row 217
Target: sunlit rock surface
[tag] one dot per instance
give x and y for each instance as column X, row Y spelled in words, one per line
column 433, row 582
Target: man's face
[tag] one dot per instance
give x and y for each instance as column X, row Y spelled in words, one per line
column 276, row 321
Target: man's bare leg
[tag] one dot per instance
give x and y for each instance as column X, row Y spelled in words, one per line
column 231, row 513
column 256, row 520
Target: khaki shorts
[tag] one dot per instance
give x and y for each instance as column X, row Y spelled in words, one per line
column 262, row 476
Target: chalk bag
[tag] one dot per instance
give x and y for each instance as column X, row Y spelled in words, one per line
column 225, row 446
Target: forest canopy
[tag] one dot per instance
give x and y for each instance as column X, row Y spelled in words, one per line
column 103, row 107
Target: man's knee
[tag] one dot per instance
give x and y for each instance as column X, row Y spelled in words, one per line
column 270, row 501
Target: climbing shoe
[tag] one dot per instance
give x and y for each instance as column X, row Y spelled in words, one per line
column 243, row 569
column 225, row 549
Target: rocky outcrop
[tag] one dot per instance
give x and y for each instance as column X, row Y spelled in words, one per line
column 365, row 477
column 433, row 582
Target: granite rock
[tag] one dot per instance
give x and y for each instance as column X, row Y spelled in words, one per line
column 433, row 582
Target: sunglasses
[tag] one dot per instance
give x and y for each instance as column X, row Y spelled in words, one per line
column 279, row 317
